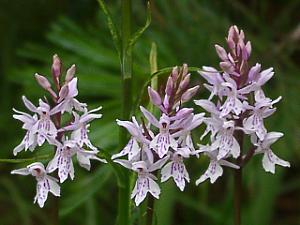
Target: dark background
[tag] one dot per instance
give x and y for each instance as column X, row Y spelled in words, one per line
column 32, row 31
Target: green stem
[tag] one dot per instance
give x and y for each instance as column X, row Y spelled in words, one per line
column 154, row 85
column 238, row 177
column 33, row 159
column 126, row 73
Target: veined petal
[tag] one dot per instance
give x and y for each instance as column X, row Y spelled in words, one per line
column 176, row 170
column 54, row 187
column 213, row 172
column 42, row 190
column 150, row 117
column 29, row 104
column 132, row 129
column 162, row 142
column 23, row 171
column 270, row 160
column 265, row 75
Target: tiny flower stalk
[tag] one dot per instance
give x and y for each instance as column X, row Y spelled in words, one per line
column 45, row 127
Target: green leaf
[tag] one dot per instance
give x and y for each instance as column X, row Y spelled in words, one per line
column 116, row 168
column 94, row 183
column 33, row 159
column 111, row 26
column 139, row 32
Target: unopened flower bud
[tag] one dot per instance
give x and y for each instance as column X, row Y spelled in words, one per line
column 154, row 97
column 166, row 102
column 221, row 52
column 185, row 83
column 70, row 73
column 233, row 34
column 189, row 93
column 63, row 93
column 169, row 86
column 227, row 67
column 43, row 81
column 241, row 35
column 246, row 51
column 56, row 66
column 174, row 73
column 183, row 113
column 253, row 73
column 185, row 69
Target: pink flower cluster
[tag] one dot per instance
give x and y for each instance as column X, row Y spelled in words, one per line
column 45, row 125
column 240, row 106
column 237, row 107
column 164, row 143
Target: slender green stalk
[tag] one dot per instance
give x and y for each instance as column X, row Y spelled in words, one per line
column 126, row 74
column 33, row 159
column 238, row 177
column 154, row 85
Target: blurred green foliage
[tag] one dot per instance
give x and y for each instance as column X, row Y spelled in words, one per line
column 184, row 31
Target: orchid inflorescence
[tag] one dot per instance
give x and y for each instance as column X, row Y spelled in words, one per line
column 162, row 143
column 45, row 126
column 237, row 107
column 240, row 108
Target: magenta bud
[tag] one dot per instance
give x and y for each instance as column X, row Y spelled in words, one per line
column 63, row 93
column 70, row 73
column 185, row 69
column 182, row 113
column 230, row 43
column 185, row 83
column 189, row 93
column 221, row 52
column 154, row 97
column 241, row 35
column 56, row 66
column 233, row 33
column 248, row 47
column 174, row 73
column 227, row 67
column 43, row 81
column 253, row 73
column 166, row 102
column 169, row 86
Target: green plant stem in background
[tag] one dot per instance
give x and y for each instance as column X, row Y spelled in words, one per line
column 126, row 74
column 238, row 177
column 154, row 85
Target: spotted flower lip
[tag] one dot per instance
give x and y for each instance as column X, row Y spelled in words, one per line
column 63, row 162
column 137, row 142
column 145, row 182
column 214, row 170
column 39, row 126
column 45, row 183
column 163, row 140
column 80, row 127
column 176, row 168
column 270, row 160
